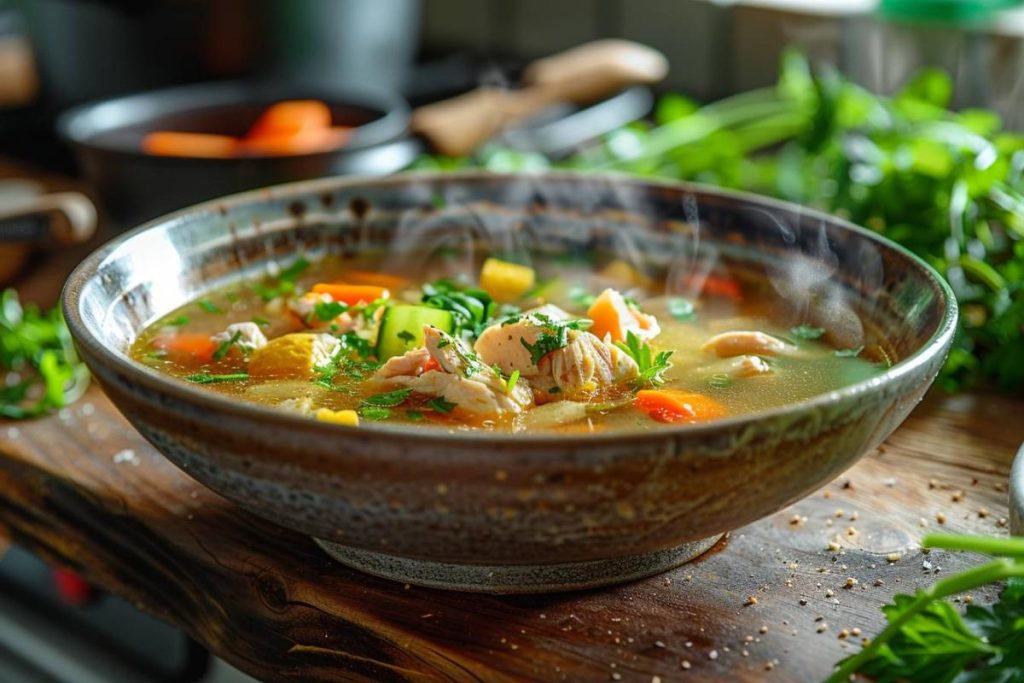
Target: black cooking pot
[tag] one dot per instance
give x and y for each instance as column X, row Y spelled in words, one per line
column 386, row 135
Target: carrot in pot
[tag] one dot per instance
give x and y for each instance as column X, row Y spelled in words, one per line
column 307, row 141
column 290, row 118
column 204, row 145
column 673, row 405
column 351, row 294
column 715, row 285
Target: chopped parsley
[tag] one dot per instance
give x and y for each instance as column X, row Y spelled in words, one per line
column 652, row 366
column 225, row 346
column 375, row 413
column 180, row 321
column 848, row 353
column 720, row 381
column 284, row 283
column 808, row 332
column 439, row 405
column 472, row 309
column 262, row 322
column 555, row 335
column 413, row 415
column 389, row 399
column 328, row 310
column 209, row 306
column 681, row 309
column 207, row 378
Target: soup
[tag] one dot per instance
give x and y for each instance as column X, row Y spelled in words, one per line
column 577, row 347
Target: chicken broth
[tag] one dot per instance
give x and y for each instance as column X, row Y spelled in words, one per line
column 568, row 347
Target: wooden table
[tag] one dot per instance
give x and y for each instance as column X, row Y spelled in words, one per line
column 84, row 490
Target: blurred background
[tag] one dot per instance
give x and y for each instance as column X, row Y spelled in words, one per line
column 115, row 111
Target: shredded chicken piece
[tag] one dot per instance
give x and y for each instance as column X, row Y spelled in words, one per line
column 250, row 336
column 409, row 363
column 744, row 343
column 462, row 379
column 750, row 366
column 585, row 364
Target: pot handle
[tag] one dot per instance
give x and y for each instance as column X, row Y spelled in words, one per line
column 581, row 75
column 52, row 220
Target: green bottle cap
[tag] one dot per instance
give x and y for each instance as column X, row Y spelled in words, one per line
column 944, row 11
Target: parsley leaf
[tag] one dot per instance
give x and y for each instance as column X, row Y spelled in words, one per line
column 413, row 415
column 180, row 321
column 389, row 399
column 652, row 366
column 808, row 332
column 848, row 353
column 581, row 297
column 209, row 306
column 262, row 322
column 681, row 309
column 375, row 413
column 555, row 335
column 471, row 308
column 328, row 310
column 440, row 405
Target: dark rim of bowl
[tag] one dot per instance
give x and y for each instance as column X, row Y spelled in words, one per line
column 192, row 394
column 78, row 125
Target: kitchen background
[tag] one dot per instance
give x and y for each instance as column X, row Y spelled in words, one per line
column 58, row 53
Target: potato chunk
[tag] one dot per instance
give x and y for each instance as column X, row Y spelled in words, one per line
column 292, row 356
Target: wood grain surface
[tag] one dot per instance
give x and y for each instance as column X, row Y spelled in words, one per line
column 84, row 490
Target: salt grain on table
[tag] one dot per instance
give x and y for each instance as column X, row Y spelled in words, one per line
column 127, row 455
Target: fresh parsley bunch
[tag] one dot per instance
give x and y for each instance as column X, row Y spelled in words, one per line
column 43, row 371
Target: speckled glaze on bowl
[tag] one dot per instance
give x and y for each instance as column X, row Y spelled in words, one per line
column 523, row 512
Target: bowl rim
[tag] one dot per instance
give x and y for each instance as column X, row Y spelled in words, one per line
column 195, row 396
column 81, row 124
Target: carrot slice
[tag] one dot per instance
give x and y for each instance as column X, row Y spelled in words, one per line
column 307, row 141
column 673, row 405
column 291, row 117
column 200, row 346
column 351, row 294
column 176, row 144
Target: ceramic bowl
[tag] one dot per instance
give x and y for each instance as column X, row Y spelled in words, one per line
column 515, row 512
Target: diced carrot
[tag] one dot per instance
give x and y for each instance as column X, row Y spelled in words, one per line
column 351, row 294
column 307, row 141
column 614, row 317
column 673, row 405
column 290, row 118
column 199, row 346
column 205, row 145
column 431, row 364
column 390, row 282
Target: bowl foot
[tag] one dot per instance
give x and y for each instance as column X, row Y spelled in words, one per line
column 537, row 578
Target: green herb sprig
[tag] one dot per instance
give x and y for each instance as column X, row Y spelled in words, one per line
column 653, row 366
column 927, row 639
